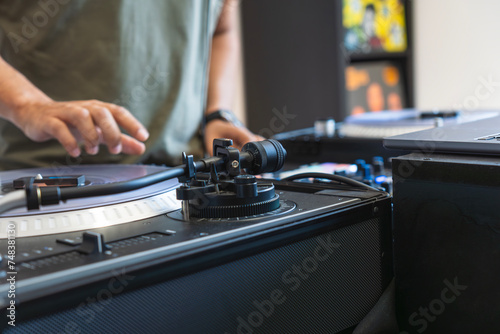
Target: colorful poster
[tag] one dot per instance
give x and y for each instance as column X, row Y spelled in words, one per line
column 373, row 87
column 374, row 26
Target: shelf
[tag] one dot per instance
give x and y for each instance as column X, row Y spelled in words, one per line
column 358, row 57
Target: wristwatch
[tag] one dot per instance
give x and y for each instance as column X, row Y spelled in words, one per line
column 223, row 115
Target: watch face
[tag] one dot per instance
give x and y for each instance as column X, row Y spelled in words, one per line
column 230, row 117
column 227, row 115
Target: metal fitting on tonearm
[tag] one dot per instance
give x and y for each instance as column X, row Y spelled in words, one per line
column 216, row 188
column 255, row 158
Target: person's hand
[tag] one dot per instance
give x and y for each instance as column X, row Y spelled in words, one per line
column 91, row 122
column 222, row 129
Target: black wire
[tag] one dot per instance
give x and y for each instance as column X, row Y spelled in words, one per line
column 331, row 177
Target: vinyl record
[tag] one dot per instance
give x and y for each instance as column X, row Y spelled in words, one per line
column 94, row 175
column 86, row 213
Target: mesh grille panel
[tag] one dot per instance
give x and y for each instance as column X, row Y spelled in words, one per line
column 321, row 284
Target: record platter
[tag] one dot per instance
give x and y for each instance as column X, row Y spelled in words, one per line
column 71, row 237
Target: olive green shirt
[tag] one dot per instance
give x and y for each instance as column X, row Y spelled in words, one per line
column 150, row 56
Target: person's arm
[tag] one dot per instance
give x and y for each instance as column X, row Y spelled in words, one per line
column 92, row 121
column 222, row 77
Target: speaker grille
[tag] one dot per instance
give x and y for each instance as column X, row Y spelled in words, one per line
column 322, row 284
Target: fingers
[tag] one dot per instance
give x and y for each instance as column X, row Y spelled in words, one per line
column 98, row 122
column 243, row 136
column 129, row 145
column 81, row 119
column 59, row 130
column 259, row 138
column 111, row 134
column 221, row 129
column 93, row 122
column 86, row 119
column 127, row 121
column 132, row 146
column 108, row 117
column 105, row 120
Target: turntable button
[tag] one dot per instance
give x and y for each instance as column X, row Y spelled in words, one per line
column 170, row 232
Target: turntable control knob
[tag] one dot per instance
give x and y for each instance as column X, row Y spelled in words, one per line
column 246, row 186
column 244, row 179
column 92, row 243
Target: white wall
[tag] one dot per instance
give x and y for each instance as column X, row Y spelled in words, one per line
column 457, row 50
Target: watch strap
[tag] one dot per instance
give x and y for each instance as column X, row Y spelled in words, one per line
column 223, row 115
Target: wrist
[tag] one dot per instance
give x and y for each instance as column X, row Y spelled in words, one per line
column 224, row 115
column 16, row 93
column 20, row 108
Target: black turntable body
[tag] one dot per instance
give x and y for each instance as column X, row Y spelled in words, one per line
column 315, row 259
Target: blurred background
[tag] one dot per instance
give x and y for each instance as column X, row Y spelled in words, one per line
column 333, row 59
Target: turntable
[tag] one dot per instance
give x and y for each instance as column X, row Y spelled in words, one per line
column 205, row 247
